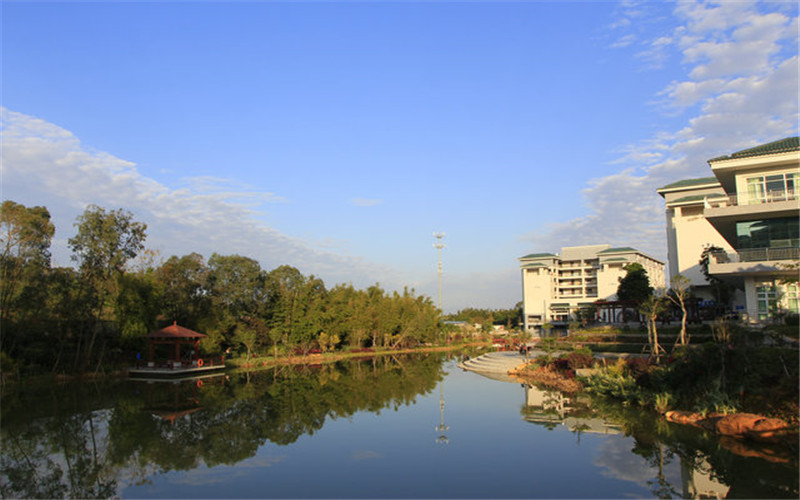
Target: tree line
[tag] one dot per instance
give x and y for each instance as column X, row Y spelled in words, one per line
column 74, row 320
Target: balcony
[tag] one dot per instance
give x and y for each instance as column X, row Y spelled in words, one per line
column 724, row 213
column 754, row 261
column 745, row 200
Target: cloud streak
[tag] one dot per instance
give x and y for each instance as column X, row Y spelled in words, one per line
column 45, row 164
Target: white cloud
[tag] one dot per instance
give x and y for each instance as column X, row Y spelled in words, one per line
column 740, row 89
column 43, row 164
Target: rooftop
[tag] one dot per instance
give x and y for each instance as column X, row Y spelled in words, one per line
column 697, row 198
column 781, row 146
column 686, row 183
column 538, row 256
column 619, row 250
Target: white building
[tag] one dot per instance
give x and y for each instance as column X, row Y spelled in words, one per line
column 555, row 286
column 749, row 210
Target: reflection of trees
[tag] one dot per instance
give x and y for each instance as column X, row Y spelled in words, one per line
column 30, row 469
column 79, row 442
column 700, row 453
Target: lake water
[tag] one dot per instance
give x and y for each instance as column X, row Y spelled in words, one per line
column 390, row 427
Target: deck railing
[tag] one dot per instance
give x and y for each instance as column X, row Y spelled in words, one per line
column 746, row 199
column 758, row 255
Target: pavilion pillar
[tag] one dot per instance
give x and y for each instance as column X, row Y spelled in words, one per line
column 177, row 351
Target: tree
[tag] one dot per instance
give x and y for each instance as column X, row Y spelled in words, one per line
column 184, row 297
column 105, row 242
column 635, row 285
column 721, row 290
column 679, row 292
column 651, row 307
column 25, row 236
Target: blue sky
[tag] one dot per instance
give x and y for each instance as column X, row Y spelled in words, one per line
column 338, row 136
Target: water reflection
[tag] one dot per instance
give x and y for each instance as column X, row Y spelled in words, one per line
column 671, row 460
column 442, row 428
column 350, row 430
column 74, row 441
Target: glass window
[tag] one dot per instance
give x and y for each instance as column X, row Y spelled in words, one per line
column 777, row 187
column 765, row 294
column 755, row 190
column 793, row 298
column 770, row 233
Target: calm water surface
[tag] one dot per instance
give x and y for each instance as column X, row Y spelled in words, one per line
column 393, row 427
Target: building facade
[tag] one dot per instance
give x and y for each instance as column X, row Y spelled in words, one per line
column 555, row 286
column 750, row 212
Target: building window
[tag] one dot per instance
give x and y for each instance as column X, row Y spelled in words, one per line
column 776, row 187
column 766, row 296
column 768, row 233
column 793, row 298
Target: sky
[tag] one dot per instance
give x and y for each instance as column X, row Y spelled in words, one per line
column 338, row 136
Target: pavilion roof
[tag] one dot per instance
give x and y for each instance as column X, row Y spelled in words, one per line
column 175, row 331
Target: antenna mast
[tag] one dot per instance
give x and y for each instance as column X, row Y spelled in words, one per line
column 438, row 246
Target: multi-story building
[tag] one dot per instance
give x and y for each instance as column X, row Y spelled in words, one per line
column 749, row 210
column 555, row 286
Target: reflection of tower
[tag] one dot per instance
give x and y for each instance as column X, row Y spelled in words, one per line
column 441, row 427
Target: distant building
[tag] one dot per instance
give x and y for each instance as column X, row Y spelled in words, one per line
column 555, row 286
column 750, row 211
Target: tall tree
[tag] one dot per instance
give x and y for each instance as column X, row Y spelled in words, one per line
column 678, row 293
column 105, row 242
column 25, row 236
column 651, row 307
column 635, row 285
column 184, row 297
column 236, row 286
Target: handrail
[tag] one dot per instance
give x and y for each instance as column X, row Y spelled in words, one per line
column 746, row 199
column 757, row 255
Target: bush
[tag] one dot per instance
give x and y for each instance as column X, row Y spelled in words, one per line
column 580, row 359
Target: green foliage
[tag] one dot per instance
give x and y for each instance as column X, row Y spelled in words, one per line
column 510, row 318
column 722, row 290
column 635, row 285
column 612, row 384
column 25, row 236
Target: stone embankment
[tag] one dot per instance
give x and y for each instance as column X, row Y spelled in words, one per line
column 746, row 434
column 738, row 425
column 496, row 365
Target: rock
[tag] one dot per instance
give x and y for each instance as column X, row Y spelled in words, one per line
column 770, row 430
column 683, row 417
column 738, row 424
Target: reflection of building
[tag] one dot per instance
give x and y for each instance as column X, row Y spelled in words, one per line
column 555, row 286
column 698, row 481
column 749, row 210
column 550, row 408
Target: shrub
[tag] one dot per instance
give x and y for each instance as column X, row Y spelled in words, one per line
column 580, row 359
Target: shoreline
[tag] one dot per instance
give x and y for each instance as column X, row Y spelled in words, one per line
column 238, row 364
column 265, row 362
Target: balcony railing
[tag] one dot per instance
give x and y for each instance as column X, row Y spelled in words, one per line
column 758, row 255
column 756, row 199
